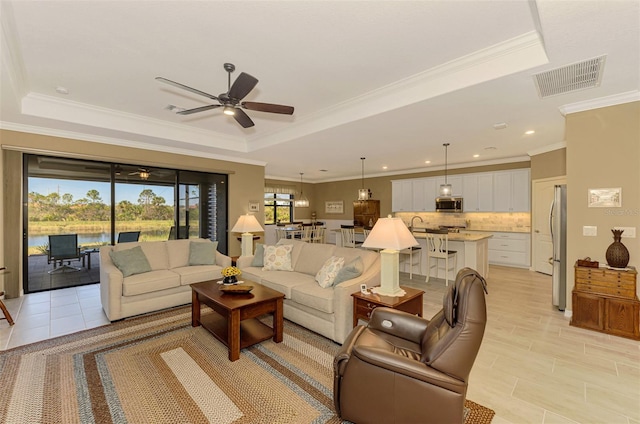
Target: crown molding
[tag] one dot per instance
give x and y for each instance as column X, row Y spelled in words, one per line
column 120, row 142
column 546, row 149
column 43, row 106
column 613, row 100
column 11, row 53
column 508, row 57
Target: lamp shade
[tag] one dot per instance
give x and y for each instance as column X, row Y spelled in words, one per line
column 247, row 224
column 390, row 233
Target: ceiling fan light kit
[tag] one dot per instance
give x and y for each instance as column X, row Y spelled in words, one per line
column 231, row 101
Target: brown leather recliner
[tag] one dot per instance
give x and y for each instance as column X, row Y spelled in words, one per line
column 401, row 368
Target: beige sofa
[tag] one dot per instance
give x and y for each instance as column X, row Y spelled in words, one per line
column 166, row 285
column 327, row 311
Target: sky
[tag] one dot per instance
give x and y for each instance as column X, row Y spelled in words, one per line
column 79, row 189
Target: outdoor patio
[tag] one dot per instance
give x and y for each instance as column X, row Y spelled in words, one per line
column 39, row 278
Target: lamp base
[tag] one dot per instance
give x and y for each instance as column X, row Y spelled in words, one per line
column 247, row 244
column 389, row 274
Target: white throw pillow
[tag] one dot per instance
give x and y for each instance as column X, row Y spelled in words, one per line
column 329, row 270
column 277, row 258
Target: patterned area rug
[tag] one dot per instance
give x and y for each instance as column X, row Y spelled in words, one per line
column 158, row 369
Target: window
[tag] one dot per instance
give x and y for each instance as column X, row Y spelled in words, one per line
column 277, row 208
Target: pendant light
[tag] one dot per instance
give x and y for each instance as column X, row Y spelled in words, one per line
column 445, row 189
column 302, row 202
column 363, row 193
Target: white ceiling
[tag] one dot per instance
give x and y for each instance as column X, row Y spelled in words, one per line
column 388, row 80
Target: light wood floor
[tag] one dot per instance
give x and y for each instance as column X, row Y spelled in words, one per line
column 534, row 368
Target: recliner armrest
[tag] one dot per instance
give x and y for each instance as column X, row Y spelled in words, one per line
column 399, row 324
column 408, row 367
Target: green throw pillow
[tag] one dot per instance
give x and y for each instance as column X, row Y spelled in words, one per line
column 351, row 270
column 202, row 253
column 258, row 257
column 130, row 261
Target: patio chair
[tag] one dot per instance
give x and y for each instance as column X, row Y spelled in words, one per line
column 64, row 247
column 128, row 236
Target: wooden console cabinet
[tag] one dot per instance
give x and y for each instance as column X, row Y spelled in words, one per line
column 366, row 213
column 605, row 300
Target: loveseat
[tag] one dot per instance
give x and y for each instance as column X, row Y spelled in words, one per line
column 327, row 311
column 162, row 282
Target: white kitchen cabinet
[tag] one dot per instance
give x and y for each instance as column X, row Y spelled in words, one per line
column 511, row 249
column 477, row 192
column 511, row 191
column 454, row 180
column 402, row 195
column 424, row 195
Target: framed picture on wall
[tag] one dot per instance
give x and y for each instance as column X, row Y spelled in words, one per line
column 336, row 206
column 254, row 206
column 605, row 197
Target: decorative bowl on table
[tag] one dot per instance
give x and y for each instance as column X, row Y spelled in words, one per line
column 236, row 288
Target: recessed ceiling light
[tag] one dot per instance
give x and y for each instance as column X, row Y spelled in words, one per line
column 476, row 156
column 61, row 90
column 385, row 167
column 427, row 161
column 529, row 132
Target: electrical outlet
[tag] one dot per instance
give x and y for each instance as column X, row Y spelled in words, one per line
column 590, row 230
column 629, row 232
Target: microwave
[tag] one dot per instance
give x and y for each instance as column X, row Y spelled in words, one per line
column 448, row 204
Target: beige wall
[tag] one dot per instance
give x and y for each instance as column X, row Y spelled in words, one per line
column 549, row 164
column 603, row 151
column 246, row 182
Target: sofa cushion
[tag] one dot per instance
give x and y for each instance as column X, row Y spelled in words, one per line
column 348, row 253
column 313, row 296
column 312, row 257
column 258, row 257
column 149, row 282
column 277, row 258
column 284, row 281
column 202, row 253
column 349, row 271
column 130, row 261
column 329, row 270
column 198, row 273
column 295, row 253
column 155, row 251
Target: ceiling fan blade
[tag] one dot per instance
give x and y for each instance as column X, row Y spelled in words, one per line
column 242, row 86
column 243, row 119
column 197, row 109
column 186, row 87
column 268, row 107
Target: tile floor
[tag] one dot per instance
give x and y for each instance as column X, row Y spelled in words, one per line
column 532, row 366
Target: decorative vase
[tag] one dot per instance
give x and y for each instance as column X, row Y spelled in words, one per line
column 230, row 280
column 617, row 254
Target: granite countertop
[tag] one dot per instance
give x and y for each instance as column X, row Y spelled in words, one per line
column 501, row 229
column 461, row 236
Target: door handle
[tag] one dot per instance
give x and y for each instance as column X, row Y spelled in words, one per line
column 537, row 231
column 551, row 261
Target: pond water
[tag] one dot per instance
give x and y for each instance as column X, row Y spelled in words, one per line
column 98, row 238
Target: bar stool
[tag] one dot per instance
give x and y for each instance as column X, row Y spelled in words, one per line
column 411, row 252
column 438, row 248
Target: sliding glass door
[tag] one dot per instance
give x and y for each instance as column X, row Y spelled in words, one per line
column 91, row 204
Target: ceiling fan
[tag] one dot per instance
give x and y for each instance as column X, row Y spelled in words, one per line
column 231, row 101
column 144, row 173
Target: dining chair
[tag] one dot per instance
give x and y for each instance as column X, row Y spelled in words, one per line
column 438, row 249
column 280, row 234
column 317, row 235
column 306, row 233
column 64, row 247
column 349, row 237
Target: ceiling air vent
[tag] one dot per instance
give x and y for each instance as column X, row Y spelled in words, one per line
column 574, row 77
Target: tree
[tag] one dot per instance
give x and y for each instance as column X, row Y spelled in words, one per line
column 94, row 196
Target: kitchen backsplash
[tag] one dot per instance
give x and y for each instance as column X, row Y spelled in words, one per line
column 484, row 221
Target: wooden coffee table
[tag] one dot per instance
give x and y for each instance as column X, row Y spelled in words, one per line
column 234, row 322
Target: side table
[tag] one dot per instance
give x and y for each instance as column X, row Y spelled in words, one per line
column 364, row 304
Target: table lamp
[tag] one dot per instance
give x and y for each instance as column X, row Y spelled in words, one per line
column 246, row 225
column 391, row 235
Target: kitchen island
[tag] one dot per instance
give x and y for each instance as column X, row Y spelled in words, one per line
column 472, row 251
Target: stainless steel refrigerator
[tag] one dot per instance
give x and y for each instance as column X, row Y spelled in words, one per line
column 558, row 222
